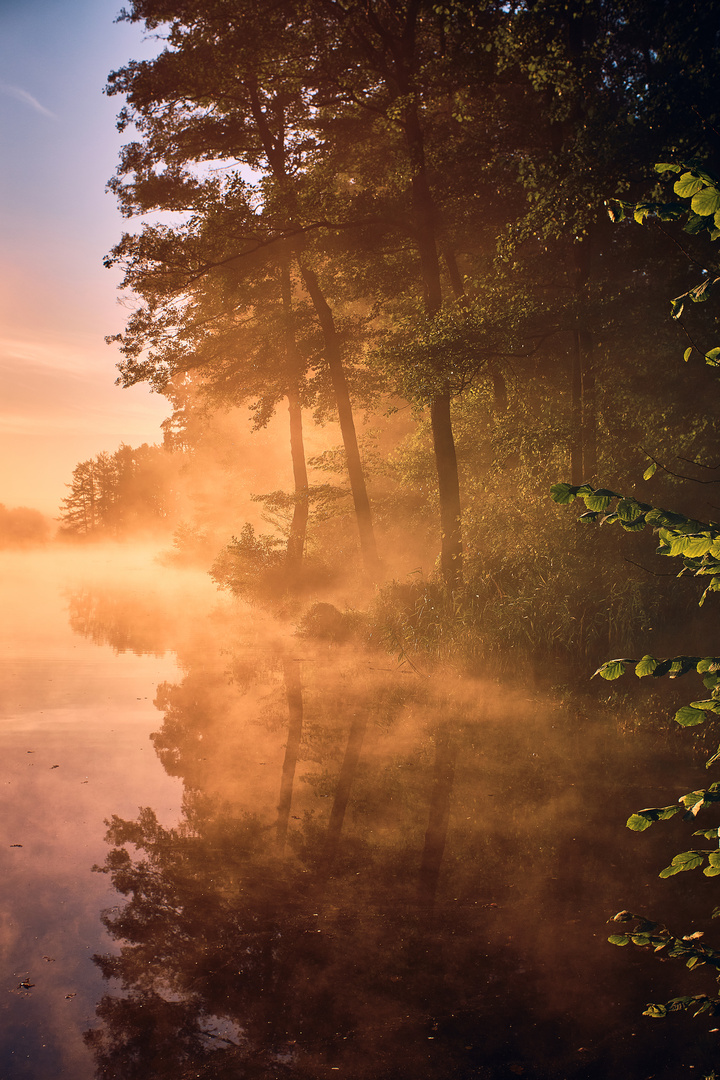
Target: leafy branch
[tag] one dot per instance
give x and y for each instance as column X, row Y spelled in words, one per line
column 696, row 542
column 651, row 935
column 701, row 189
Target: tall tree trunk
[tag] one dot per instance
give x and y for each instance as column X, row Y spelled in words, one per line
column 298, row 525
column 333, row 355
column 451, row 550
column 436, row 835
column 293, row 692
column 275, row 152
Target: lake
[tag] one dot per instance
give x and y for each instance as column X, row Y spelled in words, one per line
column 230, row 850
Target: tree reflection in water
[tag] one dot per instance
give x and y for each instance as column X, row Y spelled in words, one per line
column 375, row 875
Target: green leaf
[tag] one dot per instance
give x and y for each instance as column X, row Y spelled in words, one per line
column 651, row 469
column 670, row 211
column 714, row 586
column 612, row 669
column 686, row 860
column 646, row 666
column 679, row 544
column 634, row 526
column 642, row 210
column 619, row 939
column 597, row 502
column 600, row 499
column 676, row 307
column 687, row 185
column 706, row 202
column 712, row 358
column 681, row 665
column 677, row 1003
column 693, row 799
column 638, row 822
column 657, row 1012
column 627, row 509
column 701, row 292
column 665, row 166
column 665, row 518
column 710, row 705
column 643, row 819
column 687, row 354
column 688, row 716
column 562, row 493
column 695, row 224
column 698, row 546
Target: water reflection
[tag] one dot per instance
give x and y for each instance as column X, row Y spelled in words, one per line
column 380, row 875
column 74, row 726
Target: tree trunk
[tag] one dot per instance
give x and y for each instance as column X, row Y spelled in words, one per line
column 276, row 157
column 451, row 550
column 333, row 356
column 298, row 525
column 451, row 557
column 293, row 691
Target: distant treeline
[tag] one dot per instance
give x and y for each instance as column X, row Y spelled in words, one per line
column 116, row 492
column 20, row 527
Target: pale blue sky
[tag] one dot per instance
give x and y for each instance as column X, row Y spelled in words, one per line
column 58, row 148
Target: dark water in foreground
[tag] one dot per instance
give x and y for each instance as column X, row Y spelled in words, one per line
column 317, row 863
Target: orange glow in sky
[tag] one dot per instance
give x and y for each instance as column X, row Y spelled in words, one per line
column 58, row 401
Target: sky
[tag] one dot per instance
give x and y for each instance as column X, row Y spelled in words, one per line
column 58, row 148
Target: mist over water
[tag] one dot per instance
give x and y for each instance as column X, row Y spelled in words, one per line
column 317, row 861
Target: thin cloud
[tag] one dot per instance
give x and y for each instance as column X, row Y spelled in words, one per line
column 26, row 98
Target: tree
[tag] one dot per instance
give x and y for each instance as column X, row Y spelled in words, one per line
column 113, row 493
column 697, row 544
column 250, row 109
column 608, row 98
column 21, row 526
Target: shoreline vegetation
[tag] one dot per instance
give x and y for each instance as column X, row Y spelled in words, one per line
column 390, row 276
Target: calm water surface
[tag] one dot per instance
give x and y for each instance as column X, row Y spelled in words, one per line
column 310, row 862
